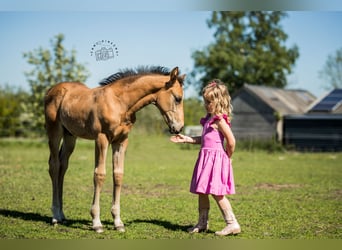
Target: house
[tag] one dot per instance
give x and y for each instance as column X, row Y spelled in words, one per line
column 258, row 111
column 320, row 129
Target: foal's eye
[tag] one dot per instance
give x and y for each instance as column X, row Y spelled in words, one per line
column 178, row 99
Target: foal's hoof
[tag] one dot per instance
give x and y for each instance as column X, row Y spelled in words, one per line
column 55, row 222
column 121, row 229
column 98, row 229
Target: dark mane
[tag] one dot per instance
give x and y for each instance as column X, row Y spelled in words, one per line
column 139, row 71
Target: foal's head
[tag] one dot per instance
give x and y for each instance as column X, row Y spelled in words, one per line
column 170, row 102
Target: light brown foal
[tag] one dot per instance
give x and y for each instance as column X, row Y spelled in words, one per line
column 106, row 114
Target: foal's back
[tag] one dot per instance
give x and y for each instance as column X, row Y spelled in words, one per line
column 75, row 107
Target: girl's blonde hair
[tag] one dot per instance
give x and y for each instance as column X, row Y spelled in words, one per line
column 217, row 93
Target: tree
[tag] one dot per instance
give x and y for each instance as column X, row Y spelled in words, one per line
column 193, row 111
column 332, row 70
column 10, row 111
column 249, row 48
column 50, row 67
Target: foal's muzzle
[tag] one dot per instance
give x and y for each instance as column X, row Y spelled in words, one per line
column 174, row 130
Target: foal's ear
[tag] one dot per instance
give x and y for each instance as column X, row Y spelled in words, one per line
column 174, row 74
column 173, row 77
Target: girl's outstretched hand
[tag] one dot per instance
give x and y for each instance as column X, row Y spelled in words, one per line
column 179, row 138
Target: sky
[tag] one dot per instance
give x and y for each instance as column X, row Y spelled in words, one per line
column 165, row 38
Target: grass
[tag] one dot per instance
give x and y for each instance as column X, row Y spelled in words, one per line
column 279, row 195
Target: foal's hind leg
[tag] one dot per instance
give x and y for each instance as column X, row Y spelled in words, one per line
column 64, row 155
column 54, row 133
column 58, row 164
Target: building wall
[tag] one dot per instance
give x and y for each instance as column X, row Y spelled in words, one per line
column 314, row 132
column 252, row 119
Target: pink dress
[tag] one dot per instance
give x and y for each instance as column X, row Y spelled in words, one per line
column 213, row 172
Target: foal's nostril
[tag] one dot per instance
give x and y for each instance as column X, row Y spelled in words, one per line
column 178, row 131
column 175, row 131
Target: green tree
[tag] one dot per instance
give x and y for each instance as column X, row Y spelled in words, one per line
column 332, row 71
column 193, row 111
column 249, row 47
column 50, row 66
column 10, row 111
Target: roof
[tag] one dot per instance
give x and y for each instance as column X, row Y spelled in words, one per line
column 284, row 101
column 314, row 117
column 329, row 103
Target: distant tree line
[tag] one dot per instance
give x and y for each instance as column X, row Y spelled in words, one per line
column 248, row 47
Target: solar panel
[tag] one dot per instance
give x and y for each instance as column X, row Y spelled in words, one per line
column 329, row 102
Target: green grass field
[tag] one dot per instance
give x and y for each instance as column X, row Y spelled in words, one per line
column 279, row 195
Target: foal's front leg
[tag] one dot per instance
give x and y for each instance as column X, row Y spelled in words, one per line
column 119, row 150
column 101, row 146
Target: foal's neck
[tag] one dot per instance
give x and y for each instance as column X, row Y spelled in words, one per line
column 141, row 92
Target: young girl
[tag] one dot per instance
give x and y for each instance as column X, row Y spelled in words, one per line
column 213, row 172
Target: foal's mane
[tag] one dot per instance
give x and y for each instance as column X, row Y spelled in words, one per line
column 137, row 72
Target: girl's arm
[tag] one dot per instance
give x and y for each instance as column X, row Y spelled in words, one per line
column 186, row 139
column 228, row 134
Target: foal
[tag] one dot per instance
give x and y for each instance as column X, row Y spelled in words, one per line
column 106, row 115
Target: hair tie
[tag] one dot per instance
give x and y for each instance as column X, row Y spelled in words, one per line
column 212, row 84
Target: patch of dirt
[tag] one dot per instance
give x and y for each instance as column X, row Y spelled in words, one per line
column 157, row 190
column 337, row 194
column 276, row 187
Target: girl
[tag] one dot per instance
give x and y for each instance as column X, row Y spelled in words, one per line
column 213, row 172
